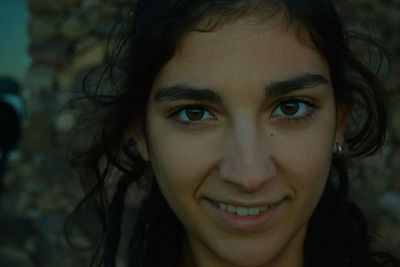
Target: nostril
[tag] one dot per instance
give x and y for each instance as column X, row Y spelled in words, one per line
column 247, row 160
column 249, row 176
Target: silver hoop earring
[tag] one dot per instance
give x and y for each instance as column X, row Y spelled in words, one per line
column 339, row 150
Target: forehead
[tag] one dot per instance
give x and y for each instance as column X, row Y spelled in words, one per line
column 244, row 53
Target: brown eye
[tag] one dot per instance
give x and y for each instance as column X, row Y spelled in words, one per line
column 194, row 114
column 290, row 108
column 293, row 109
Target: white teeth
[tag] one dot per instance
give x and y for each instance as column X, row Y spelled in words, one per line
column 222, row 206
column 254, row 211
column 231, row 209
column 242, row 211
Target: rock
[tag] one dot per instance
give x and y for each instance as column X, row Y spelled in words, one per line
column 66, row 79
column 394, row 118
column 391, row 203
column 73, row 3
column 46, row 6
column 395, row 185
column 388, row 237
column 89, row 57
column 65, row 122
column 89, row 4
column 74, row 28
column 393, row 81
column 41, row 78
column 14, row 229
column 13, row 257
column 104, row 12
column 52, row 53
column 43, row 29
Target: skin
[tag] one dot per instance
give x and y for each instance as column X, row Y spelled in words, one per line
column 252, row 147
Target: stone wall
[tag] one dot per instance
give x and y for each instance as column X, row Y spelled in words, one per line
column 68, row 37
column 376, row 183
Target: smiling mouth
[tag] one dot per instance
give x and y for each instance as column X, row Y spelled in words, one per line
column 244, row 211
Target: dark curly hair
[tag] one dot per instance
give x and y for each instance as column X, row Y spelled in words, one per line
column 338, row 234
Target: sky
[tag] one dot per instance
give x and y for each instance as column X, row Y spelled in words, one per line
column 14, row 58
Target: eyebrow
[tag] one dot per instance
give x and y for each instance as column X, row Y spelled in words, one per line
column 187, row 92
column 308, row 80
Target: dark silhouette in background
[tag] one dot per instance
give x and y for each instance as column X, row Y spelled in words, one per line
column 11, row 112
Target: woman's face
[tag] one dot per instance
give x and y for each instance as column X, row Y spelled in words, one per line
column 241, row 128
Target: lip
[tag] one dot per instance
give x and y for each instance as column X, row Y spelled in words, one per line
column 246, row 205
column 252, row 223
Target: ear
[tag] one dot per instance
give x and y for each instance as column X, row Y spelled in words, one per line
column 138, row 135
column 343, row 112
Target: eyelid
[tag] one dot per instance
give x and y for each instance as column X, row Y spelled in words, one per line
column 307, row 100
column 310, row 106
column 174, row 113
column 175, row 110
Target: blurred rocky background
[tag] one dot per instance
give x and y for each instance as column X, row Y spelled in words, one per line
column 66, row 39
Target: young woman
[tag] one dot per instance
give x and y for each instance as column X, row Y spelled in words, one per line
column 237, row 117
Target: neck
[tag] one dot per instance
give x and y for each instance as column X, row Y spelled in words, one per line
column 291, row 256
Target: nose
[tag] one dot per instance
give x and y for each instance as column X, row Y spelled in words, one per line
column 247, row 160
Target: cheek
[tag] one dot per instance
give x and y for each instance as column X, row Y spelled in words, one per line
column 305, row 166
column 308, row 152
column 308, row 174
column 310, row 158
column 179, row 162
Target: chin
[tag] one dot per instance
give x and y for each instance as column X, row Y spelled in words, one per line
column 255, row 258
column 249, row 262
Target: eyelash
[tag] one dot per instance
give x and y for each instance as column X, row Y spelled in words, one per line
column 173, row 115
column 309, row 105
